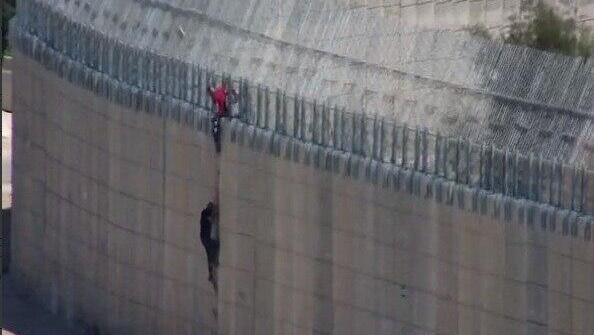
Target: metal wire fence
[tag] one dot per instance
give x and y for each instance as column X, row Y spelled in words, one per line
column 129, row 75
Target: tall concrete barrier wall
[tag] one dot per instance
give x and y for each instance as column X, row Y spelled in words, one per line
column 315, row 241
column 111, row 173
column 7, row 84
column 449, row 82
column 106, row 210
column 143, row 80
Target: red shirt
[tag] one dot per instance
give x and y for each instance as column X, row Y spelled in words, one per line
column 219, row 98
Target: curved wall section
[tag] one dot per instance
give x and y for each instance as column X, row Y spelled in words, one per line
column 317, row 241
column 448, row 82
column 110, row 179
column 145, row 81
column 313, row 240
column 106, row 209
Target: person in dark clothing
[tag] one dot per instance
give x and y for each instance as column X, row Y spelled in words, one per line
column 210, row 240
column 216, row 132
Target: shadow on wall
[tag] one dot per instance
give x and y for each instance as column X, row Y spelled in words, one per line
column 6, row 213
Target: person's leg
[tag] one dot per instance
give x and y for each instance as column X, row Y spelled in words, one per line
column 216, row 132
column 218, row 141
column 215, row 263
column 207, row 249
column 210, row 254
column 216, row 246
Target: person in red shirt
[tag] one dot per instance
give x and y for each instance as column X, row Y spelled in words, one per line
column 219, row 99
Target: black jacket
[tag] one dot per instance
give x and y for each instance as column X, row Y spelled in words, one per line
column 205, row 225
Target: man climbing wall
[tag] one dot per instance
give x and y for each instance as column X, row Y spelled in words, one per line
column 209, row 236
column 226, row 104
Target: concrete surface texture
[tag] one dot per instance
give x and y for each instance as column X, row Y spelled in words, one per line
column 446, row 81
column 6, row 160
column 106, row 226
column 106, row 232
column 6, row 132
column 7, row 84
column 421, row 15
column 111, row 177
column 458, row 15
column 152, row 83
column 21, row 315
column 309, row 249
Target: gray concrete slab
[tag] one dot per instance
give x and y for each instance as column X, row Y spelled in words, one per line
column 6, row 159
column 22, row 316
column 304, row 250
column 7, row 83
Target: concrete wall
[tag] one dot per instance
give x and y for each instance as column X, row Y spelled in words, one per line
column 313, row 240
column 144, row 80
column 7, row 84
column 460, row 14
column 109, row 183
column 105, row 224
column 449, row 82
column 310, row 248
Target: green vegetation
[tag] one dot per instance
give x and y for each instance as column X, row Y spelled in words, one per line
column 8, row 10
column 545, row 30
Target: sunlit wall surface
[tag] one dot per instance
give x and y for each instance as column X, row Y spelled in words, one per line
column 374, row 229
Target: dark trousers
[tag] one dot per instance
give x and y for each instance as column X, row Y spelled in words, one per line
column 212, row 251
column 216, row 132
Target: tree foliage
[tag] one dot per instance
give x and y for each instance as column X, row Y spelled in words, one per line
column 544, row 29
column 8, row 10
